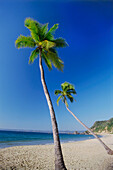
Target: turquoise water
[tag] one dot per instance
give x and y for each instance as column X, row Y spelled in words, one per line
column 17, row 138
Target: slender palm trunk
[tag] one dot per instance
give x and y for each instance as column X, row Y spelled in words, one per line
column 109, row 151
column 59, row 162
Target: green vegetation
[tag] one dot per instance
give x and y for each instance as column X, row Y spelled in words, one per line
column 66, row 93
column 44, row 47
column 42, row 40
column 67, row 90
column 103, row 126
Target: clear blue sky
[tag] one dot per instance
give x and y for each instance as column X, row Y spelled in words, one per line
column 88, row 64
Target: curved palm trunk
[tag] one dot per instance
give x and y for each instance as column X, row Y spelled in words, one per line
column 59, row 162
column 109, row 151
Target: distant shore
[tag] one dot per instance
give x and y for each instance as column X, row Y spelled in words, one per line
column 80, row 155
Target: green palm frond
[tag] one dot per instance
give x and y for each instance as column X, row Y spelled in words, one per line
column 64, row 85
column 70, row 98
column 47, row 44
column 60, row 97
column 34, row 27
column 43, row 40
column 44, row 29
column 60, row 42
column 57, row 92
column 53, row 29
column 23, row 41
column 71, row 91
column 67, row 86
column 67, row 90
column 49, row 35
column 56, row 61
column 69, row 94
column 47, row 61
column 33, row 56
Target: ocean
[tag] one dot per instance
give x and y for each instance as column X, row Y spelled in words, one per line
column 20, row 138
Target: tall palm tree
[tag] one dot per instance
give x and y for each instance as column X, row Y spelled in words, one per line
column 44, row 45
column 67, row 90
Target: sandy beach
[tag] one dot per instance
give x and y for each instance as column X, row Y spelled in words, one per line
column 81, row 155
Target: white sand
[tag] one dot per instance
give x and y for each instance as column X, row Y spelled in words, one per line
column 82, row 155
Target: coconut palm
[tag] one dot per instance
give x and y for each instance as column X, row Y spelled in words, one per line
column 44, row 45
column 66, row 93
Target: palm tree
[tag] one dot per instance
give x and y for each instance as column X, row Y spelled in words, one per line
column 44, row 45
column 67, row 90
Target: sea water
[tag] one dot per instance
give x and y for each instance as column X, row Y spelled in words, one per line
column 20, row 138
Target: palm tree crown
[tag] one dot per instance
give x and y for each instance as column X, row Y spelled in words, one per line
column 67, row 90
column 42, row 40
column 44, row 45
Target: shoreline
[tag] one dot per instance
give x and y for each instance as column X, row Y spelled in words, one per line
column 78, row 137
column 80, row 155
